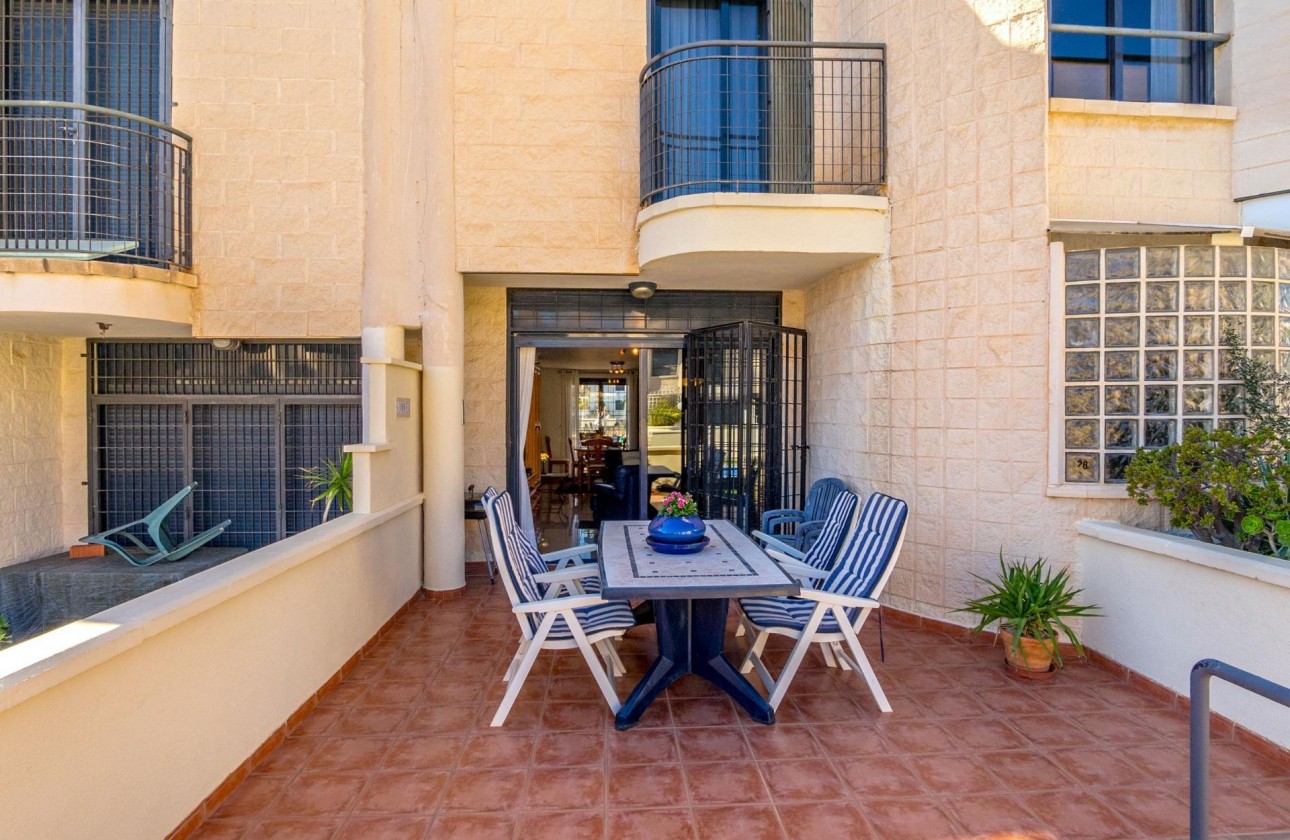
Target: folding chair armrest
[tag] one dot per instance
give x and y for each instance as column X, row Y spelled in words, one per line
column 573, row 553
column 575, row 572
column 797, row 569
column 565, row 603
column 834, row 598
column 770, row 543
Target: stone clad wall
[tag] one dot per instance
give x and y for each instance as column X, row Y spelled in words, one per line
column 928, row 374
column 1261, row 91
column 1139, row 166
column 272, row 93
column 485, row 396
column 30, row 494
column 547, row 135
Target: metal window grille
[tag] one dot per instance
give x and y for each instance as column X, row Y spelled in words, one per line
column 608, row 310
column 240, row 423
column 745, row 420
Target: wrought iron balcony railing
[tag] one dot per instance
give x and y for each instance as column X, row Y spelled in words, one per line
column 84, row 182
column 763, row 116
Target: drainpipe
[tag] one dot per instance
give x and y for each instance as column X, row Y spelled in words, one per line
column 410, row 276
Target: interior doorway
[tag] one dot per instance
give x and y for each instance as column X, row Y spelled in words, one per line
column 602, row 435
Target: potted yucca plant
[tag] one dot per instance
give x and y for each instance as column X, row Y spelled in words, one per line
column 334, row 481
column 1031, row 603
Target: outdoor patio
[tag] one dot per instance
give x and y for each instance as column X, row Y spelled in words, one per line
column 401, row 748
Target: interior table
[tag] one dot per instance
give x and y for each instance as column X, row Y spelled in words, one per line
column 691, row 595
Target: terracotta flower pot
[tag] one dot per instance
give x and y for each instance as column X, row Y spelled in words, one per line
column 1033, row 660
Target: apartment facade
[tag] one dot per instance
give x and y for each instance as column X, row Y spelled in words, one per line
column 1012, row 247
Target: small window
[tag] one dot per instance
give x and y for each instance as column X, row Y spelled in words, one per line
column 1131, row 69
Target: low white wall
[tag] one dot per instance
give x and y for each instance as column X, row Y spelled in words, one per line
column 118, row 726
column 1171, row 601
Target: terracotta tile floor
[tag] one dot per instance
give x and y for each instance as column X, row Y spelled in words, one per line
column 402, row 749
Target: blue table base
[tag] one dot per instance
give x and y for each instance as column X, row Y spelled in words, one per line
column 690, row 636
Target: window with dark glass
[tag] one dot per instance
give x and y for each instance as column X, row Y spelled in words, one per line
column 1127, row 68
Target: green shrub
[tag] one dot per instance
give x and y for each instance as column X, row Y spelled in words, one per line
column 1226, row 488
column 5, row 635
column 1229, row 487
column 666, row 412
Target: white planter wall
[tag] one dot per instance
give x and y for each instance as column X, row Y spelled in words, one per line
column 117, row 726
column 1171, row 601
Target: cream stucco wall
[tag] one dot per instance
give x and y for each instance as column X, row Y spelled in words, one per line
column 1133, row 162
column 171, row 692
column 272, row 92
column 929, row 366
column 74, row 449
column 547, row 135
column 1260, row 89
column 30, row 447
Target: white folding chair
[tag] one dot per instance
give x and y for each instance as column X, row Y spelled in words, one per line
column 551, row 623
column 832, row 614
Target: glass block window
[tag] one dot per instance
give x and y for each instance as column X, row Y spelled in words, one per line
column 1144, row 357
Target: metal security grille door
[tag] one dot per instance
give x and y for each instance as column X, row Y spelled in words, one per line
column 241, row 423
column 745, row 420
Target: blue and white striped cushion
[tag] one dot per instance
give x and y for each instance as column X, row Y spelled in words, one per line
column 866, row 555
column 864, row 559
column 825, row 550
column 598, row 618
column 786, row 612
column 515, row 543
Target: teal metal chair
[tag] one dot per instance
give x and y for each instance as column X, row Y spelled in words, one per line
column 164, row 548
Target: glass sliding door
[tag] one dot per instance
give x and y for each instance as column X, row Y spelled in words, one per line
column 719, row 137
column 662, row 408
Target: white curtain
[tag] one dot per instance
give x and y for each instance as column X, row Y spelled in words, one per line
column 569, row 408
column 1166, row 76
column 525, row 368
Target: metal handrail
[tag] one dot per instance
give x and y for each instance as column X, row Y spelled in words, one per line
column 763, row 116
column 95, row 109
column 1130, row 32
column 1201, row 673
column 654, row 62
column 82, row 181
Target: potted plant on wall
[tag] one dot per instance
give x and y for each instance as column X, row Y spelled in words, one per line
column 334, row 481
column 1031, row 603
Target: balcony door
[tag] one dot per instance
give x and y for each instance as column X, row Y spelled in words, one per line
column 73, row 183
column 718, row 138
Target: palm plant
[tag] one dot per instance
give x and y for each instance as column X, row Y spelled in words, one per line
column 1030, row 600
column 335, row 482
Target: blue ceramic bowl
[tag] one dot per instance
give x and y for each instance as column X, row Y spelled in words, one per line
column 677, row 530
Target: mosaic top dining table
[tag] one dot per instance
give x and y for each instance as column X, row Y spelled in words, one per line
column 690, row 594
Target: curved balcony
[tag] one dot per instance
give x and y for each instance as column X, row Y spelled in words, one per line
column 95, row 221
column 84, row 182
column 761, row 161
